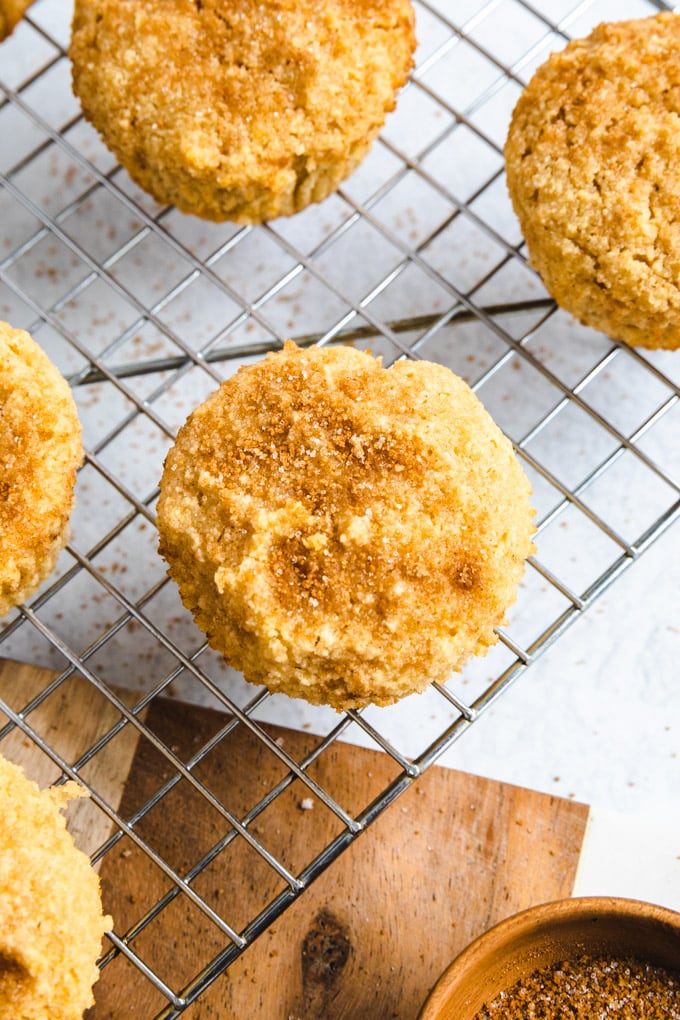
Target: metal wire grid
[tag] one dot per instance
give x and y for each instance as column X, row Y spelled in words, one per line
column 146, row 311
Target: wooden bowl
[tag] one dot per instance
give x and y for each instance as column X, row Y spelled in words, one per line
column 548, row 934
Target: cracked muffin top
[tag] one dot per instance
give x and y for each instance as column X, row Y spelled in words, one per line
column 591, row 160
column 343, row 532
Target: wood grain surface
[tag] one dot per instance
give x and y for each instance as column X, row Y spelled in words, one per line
column 453, row 855
column 69, row 720
column 366, row 941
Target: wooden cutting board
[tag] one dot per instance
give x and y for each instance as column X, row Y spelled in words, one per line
column 452, row 856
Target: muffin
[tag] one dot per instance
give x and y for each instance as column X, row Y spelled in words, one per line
column 51, row 921
column 40, row 450
column 343, row 532
column 11, row 12
column 591, row 159
column 240, row 111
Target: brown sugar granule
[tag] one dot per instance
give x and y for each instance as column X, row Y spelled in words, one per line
column 590, row 988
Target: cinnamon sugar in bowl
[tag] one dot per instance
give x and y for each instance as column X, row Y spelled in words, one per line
column 581, row 958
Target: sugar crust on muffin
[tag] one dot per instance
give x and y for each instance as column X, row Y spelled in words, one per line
column 591, row 159
column 242, row 111
column 51, row 919
column 40, row 451
column 343, row 532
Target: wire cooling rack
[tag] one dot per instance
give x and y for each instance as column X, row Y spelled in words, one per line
column 146, row 311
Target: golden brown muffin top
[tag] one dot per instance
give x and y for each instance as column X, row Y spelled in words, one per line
column 235, row 82
column 339, row 453
column 592, row 160
column 342, row 531
column 11, row 12
column 51, row 921
column 40, row 449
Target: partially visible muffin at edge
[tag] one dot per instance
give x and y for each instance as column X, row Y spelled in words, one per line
column 11, row 13
column 342, row 532
column 592, row 170
column 40, row 451
column 51, row 919
column 240, row 111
